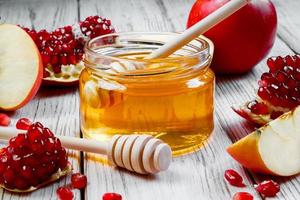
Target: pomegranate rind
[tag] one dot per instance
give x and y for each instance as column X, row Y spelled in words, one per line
column 246, row 113
column 68, row 76
column 56, row 176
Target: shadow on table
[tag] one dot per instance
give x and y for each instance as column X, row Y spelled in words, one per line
column 51, row 91
column 102, row 162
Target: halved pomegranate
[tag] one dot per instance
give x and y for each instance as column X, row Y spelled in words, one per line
column 62, row 49
column 279, row 91
column 32, row 160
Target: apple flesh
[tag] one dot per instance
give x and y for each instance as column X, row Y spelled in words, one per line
column 242, row 40
column 21, row 69
column 272, row 149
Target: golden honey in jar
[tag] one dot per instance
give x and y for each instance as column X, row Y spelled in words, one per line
column 123, row 92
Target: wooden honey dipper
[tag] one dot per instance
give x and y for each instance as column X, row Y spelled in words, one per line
column 185, row 37
column 142, row 154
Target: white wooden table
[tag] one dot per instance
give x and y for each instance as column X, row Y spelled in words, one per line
column 195, row 176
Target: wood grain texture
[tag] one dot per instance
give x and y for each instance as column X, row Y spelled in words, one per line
column 289, row 23
column 195, row 176
column 55, row 108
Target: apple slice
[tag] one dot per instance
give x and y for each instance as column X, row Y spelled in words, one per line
column 21, row 69
column 273, row 148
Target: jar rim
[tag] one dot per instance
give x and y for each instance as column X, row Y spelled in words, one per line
column 200, row 48
column 207, row 45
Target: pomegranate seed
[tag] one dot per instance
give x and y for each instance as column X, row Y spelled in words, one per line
column 42, row 173
column 289, row 60
column 297, row 60
column 46, row 74
column 35, row 133
column 111, row 196
column 23, row 124
column 264, row 93
column 72, row 59
column 268, row 188
column 54, row 60
column 79, row 181
column 279, row 63
column 47, row 133
column 21, row 184
column 242, row 196
column 234, row 178
column 281, row 76
column 26, row 172
column 258, row 108
column 19, row 141
column 64, row 193
column 4, row 119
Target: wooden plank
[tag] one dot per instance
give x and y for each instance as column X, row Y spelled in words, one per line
column 198, row 175
column 289, row 23
column 56, row 108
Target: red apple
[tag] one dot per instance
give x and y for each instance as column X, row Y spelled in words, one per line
column 242, row 40
column 21, row 69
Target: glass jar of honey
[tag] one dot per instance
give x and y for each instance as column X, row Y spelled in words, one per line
column 123, row 92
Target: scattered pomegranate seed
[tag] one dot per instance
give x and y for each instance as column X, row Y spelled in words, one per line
column 234, row 178
column 78, row 180
column 268, row 188
column 27, row 161
column 64, row 193
column 64, row 46
column 23, row 124
column 4, row 119
column 111, row 196
column 242, row 196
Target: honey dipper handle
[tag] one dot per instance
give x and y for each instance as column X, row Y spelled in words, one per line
column 84, row 145
column 74, row 143
column 198, row 29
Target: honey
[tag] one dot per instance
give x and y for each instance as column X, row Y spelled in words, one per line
column 171, row 98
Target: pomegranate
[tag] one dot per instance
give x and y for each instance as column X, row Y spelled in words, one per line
column 62, row 49
column 279, row 91
column 234, row 178
column 32, row 160
column 242, row 40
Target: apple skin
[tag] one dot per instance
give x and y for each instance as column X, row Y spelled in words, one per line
column 39, row 77
column 242, row 40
